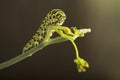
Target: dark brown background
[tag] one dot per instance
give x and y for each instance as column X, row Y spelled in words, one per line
column 19, row 19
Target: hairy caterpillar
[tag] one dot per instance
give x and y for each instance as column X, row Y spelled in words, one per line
column 55, row 17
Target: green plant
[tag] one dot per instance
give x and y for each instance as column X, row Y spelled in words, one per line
column 56, row 17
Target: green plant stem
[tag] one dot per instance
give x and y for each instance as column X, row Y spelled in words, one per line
column 76, row 49
column 30, row 52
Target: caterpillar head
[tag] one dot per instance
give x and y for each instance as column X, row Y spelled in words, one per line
column 57, row 16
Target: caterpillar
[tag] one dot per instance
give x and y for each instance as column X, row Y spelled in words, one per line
column 56, row 17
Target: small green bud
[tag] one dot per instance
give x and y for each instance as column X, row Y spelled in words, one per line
column 81, row 64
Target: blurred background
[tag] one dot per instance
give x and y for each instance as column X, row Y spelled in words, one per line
column 19, row 19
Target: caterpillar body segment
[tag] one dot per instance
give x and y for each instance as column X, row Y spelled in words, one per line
column 56, row 17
